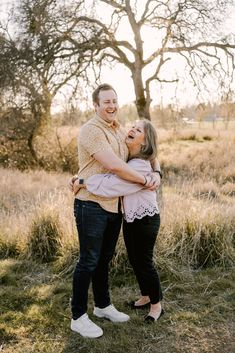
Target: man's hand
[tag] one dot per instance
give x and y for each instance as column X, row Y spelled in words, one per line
column 77, row 186
column 153, row 181
column 71, row 182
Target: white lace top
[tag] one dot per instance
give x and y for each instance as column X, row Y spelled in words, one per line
column 137, row 200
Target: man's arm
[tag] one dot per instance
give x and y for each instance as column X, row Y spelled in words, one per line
column 101, row 150
column 116, row 166
column 111, row 185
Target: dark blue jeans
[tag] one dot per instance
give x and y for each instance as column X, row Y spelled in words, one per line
column 98, row 232
column 140, row 237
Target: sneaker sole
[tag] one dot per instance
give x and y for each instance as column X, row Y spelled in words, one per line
column 102, row 316
column 87, row 335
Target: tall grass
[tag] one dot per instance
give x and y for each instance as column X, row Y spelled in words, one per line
column 45, row 236
column 211, row 160
column 197, row 214
column 197, row 233
column 33, row 204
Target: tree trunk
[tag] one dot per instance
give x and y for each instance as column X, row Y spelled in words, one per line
column 142, row 107
column 41, row 112
column 142, row 103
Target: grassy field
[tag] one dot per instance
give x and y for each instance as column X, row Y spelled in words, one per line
column 35, row 313
column 194, row 253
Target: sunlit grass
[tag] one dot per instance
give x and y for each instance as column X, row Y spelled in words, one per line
column 198, row 182
column 194, row 254
column 35, row 314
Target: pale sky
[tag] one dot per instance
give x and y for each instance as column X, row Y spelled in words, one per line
column 119, row 76
column 121, row 79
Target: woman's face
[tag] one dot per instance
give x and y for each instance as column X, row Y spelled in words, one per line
column 136, row 136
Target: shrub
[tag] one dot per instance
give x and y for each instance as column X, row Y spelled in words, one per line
column 190, row 137
column 207, row 138
column 45, row 237
column 57, row 153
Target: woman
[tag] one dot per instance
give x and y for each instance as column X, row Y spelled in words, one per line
column 141, row 214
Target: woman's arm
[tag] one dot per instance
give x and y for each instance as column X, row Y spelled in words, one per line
column 110, row 185
column 157, row 170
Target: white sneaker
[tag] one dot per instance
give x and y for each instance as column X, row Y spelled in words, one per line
column 86, row 327
column 111, row 313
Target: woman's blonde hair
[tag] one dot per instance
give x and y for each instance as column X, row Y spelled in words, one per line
column 149, row 149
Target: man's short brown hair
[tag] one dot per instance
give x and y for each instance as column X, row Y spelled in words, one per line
column 103, row 87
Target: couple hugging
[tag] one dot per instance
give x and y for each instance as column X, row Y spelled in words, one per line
column 117, row 181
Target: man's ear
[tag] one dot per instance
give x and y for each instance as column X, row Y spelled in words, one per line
column 95, row 105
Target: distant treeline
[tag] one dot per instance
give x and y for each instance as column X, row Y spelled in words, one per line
column 166, row 117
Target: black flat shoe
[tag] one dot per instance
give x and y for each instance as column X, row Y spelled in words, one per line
column 133, row 306
column 150, row 319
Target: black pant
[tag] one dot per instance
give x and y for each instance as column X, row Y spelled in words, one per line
column 98, row 232
column 140, row 237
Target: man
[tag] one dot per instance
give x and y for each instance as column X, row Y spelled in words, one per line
column 101, row 149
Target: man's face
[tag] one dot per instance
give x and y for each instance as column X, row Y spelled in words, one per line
column 108, row 105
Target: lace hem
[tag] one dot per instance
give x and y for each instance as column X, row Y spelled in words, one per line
column 142, row 211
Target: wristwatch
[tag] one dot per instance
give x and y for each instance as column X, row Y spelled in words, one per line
column 80, row 181
column 159, row 172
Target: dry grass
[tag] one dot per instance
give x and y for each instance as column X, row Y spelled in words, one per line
column 45, row 237
column 213, row 160
column 197, row 221
column 195, row 254
column 27, row 196
column 228, row 189
column 199, row 175
column 197, row 232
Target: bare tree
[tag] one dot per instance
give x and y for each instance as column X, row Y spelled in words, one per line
column 40, row 57
column 186, row 29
